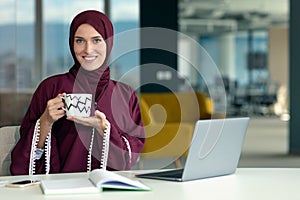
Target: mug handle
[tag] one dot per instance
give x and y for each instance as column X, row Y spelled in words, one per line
column 64, row 97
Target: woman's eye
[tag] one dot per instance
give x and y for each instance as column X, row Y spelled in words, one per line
column 98, row 40
column 79, row 41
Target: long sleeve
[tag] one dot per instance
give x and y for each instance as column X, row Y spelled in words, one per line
column 22, row 154
column 127, row 135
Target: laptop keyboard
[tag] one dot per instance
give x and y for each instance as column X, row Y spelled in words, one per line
column 172, row 173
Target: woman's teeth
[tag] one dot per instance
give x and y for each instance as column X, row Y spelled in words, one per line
column 90, row 58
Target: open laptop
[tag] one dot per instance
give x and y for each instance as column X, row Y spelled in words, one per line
column 214, row 151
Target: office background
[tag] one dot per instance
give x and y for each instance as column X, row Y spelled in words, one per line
column 251, row 42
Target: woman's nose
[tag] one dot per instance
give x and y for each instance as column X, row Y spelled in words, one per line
column 88, row 47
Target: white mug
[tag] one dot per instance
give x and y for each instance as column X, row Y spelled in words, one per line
column 78, row 105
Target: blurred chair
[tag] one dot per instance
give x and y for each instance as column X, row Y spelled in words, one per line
column 169, row 120
column 9, row 135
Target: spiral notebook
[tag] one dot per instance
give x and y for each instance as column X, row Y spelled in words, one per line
column 214, row 151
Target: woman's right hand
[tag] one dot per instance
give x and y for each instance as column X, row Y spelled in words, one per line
column 54, row 110
column 52, row 113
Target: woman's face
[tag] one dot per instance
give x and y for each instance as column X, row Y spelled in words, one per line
column 89, row 47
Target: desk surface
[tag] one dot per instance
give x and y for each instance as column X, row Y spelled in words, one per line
column 246, row 183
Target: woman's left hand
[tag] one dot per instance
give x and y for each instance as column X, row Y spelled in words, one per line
column 98, row 121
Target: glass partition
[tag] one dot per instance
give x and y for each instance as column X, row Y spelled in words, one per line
column 17, row 45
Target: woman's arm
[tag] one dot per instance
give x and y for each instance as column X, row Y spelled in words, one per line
column 127, row 136
column 33, row 134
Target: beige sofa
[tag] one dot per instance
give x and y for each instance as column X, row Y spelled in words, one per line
column 9, row 135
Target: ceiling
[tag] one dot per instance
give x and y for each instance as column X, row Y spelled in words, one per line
column 217, row 16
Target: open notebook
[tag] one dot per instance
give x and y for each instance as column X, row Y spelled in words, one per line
column 214, row 151
column 98, row 180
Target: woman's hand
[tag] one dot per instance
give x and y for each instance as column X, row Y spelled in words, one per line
column 52, row 113
column 54, row 110
column 98, row 121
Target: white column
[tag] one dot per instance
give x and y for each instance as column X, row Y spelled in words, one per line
column 227, row 56
column 190, row 51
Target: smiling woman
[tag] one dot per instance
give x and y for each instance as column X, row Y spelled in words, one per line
column 52, row 142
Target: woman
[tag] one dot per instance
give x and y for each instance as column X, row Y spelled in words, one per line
column 113, row 138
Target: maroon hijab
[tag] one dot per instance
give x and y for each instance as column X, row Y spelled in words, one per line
column 95, row 81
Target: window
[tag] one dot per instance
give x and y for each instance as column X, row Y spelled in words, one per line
column 17, row 45
column 125, row 17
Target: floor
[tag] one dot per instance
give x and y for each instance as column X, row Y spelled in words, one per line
column 266, row 145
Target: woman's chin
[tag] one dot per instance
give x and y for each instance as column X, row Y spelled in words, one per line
column 90, row 67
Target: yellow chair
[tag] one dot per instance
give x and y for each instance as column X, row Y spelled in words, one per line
column 169, row 120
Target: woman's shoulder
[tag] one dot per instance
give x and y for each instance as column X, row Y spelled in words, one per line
column 123, row 91
column 120, row 85
column 55, row 81
column 56, row 77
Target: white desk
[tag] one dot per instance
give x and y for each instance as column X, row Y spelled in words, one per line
column 246, row 183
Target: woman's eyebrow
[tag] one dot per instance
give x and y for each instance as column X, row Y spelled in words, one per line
column 94, row 37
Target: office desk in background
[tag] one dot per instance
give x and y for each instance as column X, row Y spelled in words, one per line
column 246, row 183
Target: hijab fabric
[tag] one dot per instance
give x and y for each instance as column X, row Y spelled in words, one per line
column 95, row 81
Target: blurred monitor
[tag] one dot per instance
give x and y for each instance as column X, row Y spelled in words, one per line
column 257, row 60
